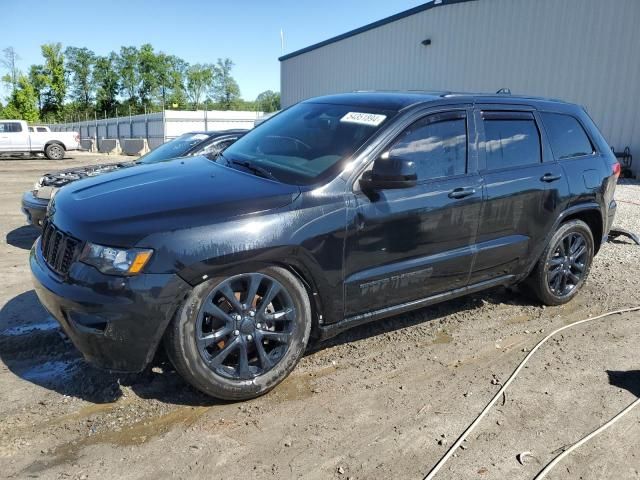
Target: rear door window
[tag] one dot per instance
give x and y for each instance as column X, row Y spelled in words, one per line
column 511, row 139
column 566, row 136
column 437, row 144
column 10, row 127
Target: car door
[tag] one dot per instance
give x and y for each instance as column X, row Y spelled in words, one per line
column 520, row 179
column 411, row 243
column 5, row 137
column 19, row 137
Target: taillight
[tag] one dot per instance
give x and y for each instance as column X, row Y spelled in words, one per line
column 616, row 169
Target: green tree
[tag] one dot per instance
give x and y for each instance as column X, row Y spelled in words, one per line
column 198, row 79
column 9, row 60
column 80, row 63
column 127, row 68
column 174, row 81
column 38, row 79
column 225, row 89
column 107, row 81
column 151, row 73
column 22, row 102
column 268, row 101
column 56, row 84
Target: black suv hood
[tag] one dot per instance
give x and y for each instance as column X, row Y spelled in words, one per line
column 122, row 207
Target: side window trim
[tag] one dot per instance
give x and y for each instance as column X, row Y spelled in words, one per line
column 497, row 113
column 442, row 116
column 353, row 175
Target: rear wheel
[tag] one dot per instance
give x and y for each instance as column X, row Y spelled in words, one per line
column 564, row 264
column 236, row 338
column 54, row 151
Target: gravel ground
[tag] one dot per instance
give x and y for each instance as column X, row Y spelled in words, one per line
column 380, row 401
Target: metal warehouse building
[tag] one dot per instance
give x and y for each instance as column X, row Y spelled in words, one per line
column 582, row 51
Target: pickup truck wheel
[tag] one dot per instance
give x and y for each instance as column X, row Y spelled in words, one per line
column 238, row 337
column 54, row 151
column 564, row 264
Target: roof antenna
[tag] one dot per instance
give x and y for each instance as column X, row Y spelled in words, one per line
column 504, row 91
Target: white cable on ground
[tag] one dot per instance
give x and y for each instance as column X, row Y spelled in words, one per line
column 436, row 468
column 556, row 460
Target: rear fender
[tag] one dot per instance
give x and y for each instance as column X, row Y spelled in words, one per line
column 569, row 212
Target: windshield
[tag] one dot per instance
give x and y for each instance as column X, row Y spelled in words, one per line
column 173, row 149
column 306, row 143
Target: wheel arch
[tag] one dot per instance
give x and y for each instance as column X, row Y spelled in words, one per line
column 55, row 142
column 588, row 212
column 593, row 218
column 298, row 263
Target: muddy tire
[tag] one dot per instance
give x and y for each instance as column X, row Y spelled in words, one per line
column 54, row 151
column 564, row 265
column 236, row 338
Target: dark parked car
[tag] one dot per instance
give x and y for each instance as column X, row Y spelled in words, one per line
column 35, row 201
column 337, row 211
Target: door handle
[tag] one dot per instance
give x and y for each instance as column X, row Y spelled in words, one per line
column 461, row 192
column 550, row 177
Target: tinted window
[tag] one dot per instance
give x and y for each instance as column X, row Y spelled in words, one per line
column 42, row 129
column 10, row 127
column 214, row 147
column 437, row 144
column 566, row 135
column 306, row 143
column 175, row 148
column 510, row 143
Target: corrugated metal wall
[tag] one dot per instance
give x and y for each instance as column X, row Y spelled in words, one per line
column 582, row 51
column 157, row 129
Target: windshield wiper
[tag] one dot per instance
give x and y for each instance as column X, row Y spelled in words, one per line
column 261, row 172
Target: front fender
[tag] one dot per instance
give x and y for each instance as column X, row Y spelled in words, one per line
column 307, row 238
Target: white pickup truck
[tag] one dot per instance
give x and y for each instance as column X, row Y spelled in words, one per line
column 15, row 138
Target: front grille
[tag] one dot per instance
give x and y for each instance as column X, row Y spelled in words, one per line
column 58, row 249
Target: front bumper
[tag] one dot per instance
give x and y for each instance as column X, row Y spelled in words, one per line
column 115, row 322
column 34, row 208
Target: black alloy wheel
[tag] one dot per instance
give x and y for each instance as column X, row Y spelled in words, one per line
column 245, row 325
column 237, row 337
column 564, row 264
column 567, row 266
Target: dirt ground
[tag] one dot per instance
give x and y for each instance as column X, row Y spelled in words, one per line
column 382, row 401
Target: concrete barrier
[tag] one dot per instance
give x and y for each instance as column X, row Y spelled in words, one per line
column 134, row 146
column 109, row 145
column 88, row 144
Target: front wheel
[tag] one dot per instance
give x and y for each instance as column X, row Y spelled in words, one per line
column 238, row 337
column 564, row 264
column 54, row 151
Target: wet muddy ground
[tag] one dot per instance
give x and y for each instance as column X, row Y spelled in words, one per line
column 380, row 401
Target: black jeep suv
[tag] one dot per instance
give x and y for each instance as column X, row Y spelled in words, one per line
column 337, row 211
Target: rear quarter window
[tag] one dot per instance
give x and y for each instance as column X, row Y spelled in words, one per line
column 566, row 136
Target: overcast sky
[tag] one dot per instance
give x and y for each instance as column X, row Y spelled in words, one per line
column 199, row 31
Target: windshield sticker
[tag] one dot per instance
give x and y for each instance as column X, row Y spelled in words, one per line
column 371, row 119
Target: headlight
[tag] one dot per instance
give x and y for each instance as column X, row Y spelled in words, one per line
column 115, row 261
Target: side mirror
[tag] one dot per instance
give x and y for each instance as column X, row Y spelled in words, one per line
column 389, row 172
